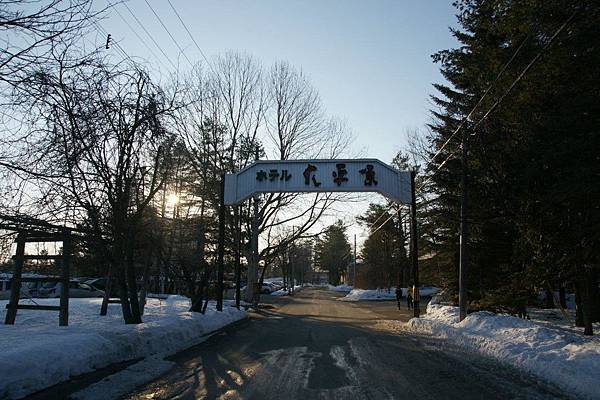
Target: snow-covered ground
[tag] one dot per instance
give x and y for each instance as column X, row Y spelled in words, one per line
column 384, row 294
column 340, row 288
column 556, row 355
column 284, row 292
column 36, row 353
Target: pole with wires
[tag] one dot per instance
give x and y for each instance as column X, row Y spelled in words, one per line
column 464, row 232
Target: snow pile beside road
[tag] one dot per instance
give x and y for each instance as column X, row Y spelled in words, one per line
column 369, row 294
column 560, row 357
column 340, row 288
column 37, row 353
column 384, row 294
column 284, row 292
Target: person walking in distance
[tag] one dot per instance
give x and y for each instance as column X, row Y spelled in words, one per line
column 398, row 296
column 409, row 298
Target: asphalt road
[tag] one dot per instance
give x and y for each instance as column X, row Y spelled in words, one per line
column 312, row 346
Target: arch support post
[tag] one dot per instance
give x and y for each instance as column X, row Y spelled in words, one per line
column 414, row 253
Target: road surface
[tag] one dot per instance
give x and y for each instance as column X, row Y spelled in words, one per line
column 312, row 346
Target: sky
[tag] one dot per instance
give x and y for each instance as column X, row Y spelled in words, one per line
column 370, row 60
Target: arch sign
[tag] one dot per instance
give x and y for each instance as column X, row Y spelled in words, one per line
column 307, row 176
column 359, row 175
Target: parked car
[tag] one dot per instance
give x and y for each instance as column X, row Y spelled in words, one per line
column 266, row 288
column 76, row 289
column 97, row 283
column 277, row 285
column 26, row 289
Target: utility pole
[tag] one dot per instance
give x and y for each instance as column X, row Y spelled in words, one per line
column 238, row 266
column 292, row 260
column 221, row 247
column 415, row 246
column 464, row 232
column 354, row 276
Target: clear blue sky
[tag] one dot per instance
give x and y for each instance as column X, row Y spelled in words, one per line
column 370, row 60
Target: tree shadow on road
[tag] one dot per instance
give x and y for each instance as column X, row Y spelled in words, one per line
column 275, row 355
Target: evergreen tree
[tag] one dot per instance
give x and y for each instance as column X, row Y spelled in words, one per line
column 333, row 252
column 531, row 162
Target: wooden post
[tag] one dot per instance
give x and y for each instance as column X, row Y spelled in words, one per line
column 415, row 247
column 15, row 287
column 63, row 317
column 221, row 249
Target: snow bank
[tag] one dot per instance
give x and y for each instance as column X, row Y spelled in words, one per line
column 384, row 294
column 340, row 288
column 563, row 358
column 284, row 292
column 36, row 353
column 369, row 294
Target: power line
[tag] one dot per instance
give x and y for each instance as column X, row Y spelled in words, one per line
column 138, row 36
column 169, row 33
column 117, row 45
column 464, row 120
column 148, row 33
column 501, row 98
column 430, row 177
column 384, row 222
column 192, row 37
column 527, row 68
column 488, row 89
column 381, row 215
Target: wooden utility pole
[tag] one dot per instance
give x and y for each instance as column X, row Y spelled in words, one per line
column 414, row 246
column 221, row 249
column 464, row 233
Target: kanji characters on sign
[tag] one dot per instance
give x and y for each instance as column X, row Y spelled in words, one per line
column 309, row 175
column 339, row 176
column 369, row 174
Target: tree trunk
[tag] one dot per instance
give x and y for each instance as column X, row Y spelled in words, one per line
column 562, row 296
column 122, row 284
column 578, row 304
column 549, row 303
column 589, row 286
column 132, row 286
column 592, row 280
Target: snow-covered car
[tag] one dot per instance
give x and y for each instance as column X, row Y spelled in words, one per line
column 266, row 288
column 76, row 289
column 277, row 285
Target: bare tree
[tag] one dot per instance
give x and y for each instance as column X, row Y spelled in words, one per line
column 31, row 29
column 99, row 156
